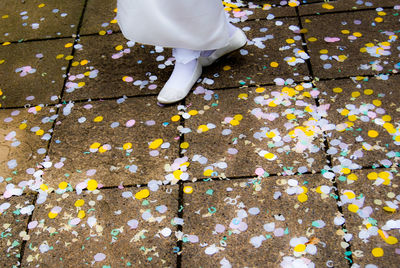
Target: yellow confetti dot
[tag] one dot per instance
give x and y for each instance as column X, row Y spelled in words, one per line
column 6, row 43
column 302, row 197
column 1, row 62
column 113, row 21
column 300, row 248
column 357, row 34
column 69, row 57
column 95, row 145
column 52, row 215
column 68, row 45
column 44, row 187
column 293, row 4
column 41, row 5
column 378, row 19
column 368, row 92
column 290, row 41
column 269, row 156
column 389, row 209
column 345, row 170
column 345, row 31
column 243, row 96
column 75, row 63
column 234, row 122
column 391, row 240
column 142, row 194
column 156, row 143
column 84, row 62
column 227, row 68
column 260, row 90
column 203, row 128
column 63, row 185
column 184, row 145
column 208, row 172
column 274, row 64
column 353, row 208
column 323, row 51
column 188, row 189
column 344, row 112
column 377, row 103
column 119, row 47
column 79, row 203
column 270, row 134
column 23, row 126
column 40, row 132
column 290, row 116
column 312, row 39
column 386, row 118
column 81, row 214
column 377, row 252
column 397, row 138
column 102, row 149
column 60, row 56
column 92, row 185
column 193, row 112
column 337, row 90
column 352, row 177
column 372, row 176
column 81, row 84
column 127, row 146
column 373, row 133
column 4, row 17
column 327, row 6
column 352, row 117
column 102, row 33
column 98, row 119
column 350, row 195
column 175, row 118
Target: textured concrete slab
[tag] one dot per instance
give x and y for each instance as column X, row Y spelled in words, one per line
column 370, row 207
column 364, row 112
column 343, row 5
column 38, row 19
column 256, row 223
column 239, row 131
column 136, row 70
column 100, row 17
column 110, row 142
column 14, row 219
column 355, row 43
column 102, row 228
column 34, row 72
column 274, row 51
column 24, row 136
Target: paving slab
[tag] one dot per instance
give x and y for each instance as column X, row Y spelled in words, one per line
column 367, row 204
column 100, row 17
column 106, row 227
column 134, row 70
column 274, row 43
column 34, row 72
column 354, row 43
column 256, row 223
column 364, row 113
column 239, row 131
column 24, row 136
column 14, row 219
column 344, row 5
column 110, row 142
column 38, row 19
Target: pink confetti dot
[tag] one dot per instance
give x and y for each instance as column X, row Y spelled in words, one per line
column 130, row 123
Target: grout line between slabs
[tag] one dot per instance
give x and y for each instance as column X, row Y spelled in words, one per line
column 328, row 157
column 24, row 242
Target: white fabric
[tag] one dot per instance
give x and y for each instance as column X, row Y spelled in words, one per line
column 190, row 24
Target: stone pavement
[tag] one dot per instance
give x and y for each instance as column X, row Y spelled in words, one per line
column 285, row 154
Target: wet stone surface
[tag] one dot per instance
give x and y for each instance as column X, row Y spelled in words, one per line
column 364, row 113
column 237, row 131
column 370, row 202
column 258, row 217
column 112, row 143
column 24, row 136
column 104, row 227
column 349, row 44
column 38, row 19
column 34, row 72
column 14, row 218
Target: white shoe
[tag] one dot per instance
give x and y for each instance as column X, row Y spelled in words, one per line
column 237, row 41
column 176, row 89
